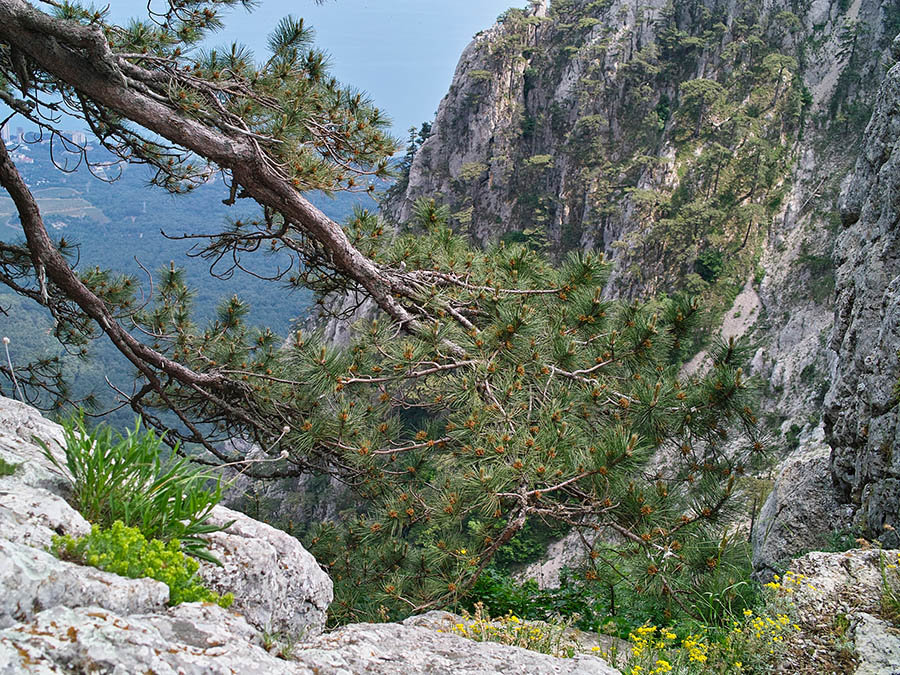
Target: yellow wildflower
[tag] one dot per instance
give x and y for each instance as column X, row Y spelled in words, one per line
column 662, row 666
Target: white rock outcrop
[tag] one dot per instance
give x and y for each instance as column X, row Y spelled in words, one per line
column 194, row 639
column 190, row 639
column 32, row 580
column 278, row 586
column 390, row 648
column 877, row 646
column 831, row 590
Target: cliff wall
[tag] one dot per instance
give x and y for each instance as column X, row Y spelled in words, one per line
column 861, row 411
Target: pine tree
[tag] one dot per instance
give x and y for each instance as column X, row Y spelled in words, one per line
column 491, row 388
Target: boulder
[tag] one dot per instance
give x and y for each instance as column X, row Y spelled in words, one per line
column 838, row 583
column 32, row 580
column 19, row 424
column 589, row 642
column 801, row 511
column 205, row 639
column 189, row 639
column 32, row 515
column 390, row 648
column 836, row 600
column 278, row 586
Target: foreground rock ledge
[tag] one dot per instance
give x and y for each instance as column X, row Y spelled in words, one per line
column 194, row 639
column 58, row 617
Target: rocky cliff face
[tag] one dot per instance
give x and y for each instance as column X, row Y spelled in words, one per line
column 700, row 145
column 849, row 476
column 861, row 409
column 665, row 135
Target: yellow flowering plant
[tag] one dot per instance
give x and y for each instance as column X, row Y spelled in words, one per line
column 657, row 650
column 125, row 551
column 539, row 636
column 753, row 643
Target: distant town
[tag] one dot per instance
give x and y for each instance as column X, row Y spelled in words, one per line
column 10, row 137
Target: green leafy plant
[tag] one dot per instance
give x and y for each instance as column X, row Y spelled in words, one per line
column 753, row 644
column 7, row 468
column 500, row 594
column 124, row 478
column 617, row 601
column 126, row 551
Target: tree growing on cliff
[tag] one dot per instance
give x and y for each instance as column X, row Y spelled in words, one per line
column 492, row 388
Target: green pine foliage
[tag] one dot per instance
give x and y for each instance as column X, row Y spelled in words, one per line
column 127, row 552
column 531, row 396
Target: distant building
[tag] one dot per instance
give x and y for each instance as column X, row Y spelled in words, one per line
column 78, row 137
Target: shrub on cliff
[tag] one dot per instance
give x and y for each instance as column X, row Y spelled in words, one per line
column 123, row 478
column 127, row 552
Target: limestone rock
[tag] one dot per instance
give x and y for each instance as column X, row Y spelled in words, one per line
column 587, row 642
column 388, row 649
column 19, row 423
column 32, row 580
column 801, row 510
column 836, row 600
column 205, row 639
column 566, row 552
column 32, row 515
column 861, row 414
column 278, row 586
column 877, row 646
column 848, row 582
column 190, row 639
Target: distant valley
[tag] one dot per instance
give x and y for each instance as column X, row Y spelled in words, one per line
column 118, row 222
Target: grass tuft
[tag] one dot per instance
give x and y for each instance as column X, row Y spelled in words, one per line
column 124, row 478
